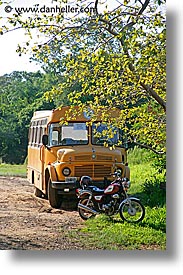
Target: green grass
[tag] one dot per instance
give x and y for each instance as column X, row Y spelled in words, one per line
column 13, row 170
column 113, row 234
column 105, row 233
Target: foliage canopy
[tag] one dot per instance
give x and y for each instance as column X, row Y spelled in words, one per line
column 111, row 57
column 21, row 95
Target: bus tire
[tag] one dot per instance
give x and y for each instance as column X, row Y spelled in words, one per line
column 54, row 198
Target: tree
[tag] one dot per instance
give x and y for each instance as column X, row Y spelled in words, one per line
column 123, row 67
column 21, row 95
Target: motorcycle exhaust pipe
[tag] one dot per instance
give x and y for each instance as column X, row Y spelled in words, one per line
column 84, row 207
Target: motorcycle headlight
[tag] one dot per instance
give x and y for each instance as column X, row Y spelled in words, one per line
column 66, row 171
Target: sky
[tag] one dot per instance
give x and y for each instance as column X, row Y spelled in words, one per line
column 9, row 59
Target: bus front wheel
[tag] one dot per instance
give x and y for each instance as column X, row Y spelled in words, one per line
column 54, row 198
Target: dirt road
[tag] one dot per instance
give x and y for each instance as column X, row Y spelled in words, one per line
column 27, row 222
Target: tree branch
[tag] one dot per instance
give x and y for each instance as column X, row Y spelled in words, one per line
column 96, row 6
column 148, row 147
column 146, row 87
column 152, row 93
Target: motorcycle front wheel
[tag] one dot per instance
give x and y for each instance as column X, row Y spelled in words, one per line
column 84, row 214
column 132, row 211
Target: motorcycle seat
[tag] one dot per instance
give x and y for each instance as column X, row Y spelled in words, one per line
column 96, row 190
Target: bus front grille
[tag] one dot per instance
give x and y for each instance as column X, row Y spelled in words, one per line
column 92, row 170
column 89, row 158
column 83, row 157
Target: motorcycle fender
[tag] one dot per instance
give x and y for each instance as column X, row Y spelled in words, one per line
column 85, row 193
column 124, row 201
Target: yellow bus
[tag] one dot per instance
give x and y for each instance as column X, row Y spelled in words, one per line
column 59, row 154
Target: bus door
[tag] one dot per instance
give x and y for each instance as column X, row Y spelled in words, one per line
column 42, row 158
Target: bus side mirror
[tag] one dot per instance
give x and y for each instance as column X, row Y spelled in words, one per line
column 45, row 140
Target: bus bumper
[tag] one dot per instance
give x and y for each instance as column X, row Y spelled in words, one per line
column 69, row 187
column 65, row 187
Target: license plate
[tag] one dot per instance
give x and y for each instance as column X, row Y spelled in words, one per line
column 70, row 179
column 66, row 189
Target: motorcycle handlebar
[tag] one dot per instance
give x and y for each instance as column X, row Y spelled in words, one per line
column 116, row 174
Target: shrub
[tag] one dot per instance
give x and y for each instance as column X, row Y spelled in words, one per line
column 154, row 190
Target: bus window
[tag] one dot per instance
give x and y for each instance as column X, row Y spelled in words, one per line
column 71, row 134
column 55, row 136
column 33, row 135
column 99, row 134
column 30, row 136
column 36, row 136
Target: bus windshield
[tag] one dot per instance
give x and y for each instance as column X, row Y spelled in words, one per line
column 100, row 134
column 75, row 133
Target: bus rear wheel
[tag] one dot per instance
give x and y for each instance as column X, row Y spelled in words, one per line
column 54, row 198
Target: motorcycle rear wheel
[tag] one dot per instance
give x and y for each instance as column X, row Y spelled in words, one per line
column 132, row 211
column 84, row 214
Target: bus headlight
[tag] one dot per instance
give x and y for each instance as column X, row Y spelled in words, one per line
column 66, row 171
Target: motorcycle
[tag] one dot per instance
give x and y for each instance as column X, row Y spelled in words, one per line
column 111, row 200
